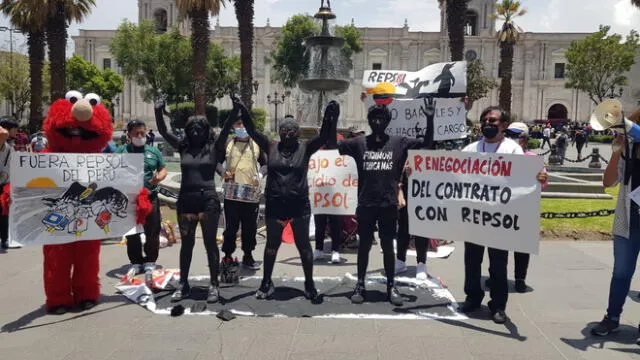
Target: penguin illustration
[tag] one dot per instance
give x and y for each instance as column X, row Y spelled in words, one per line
column 446, row 79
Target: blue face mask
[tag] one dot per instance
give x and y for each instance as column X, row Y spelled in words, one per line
column 241, row 132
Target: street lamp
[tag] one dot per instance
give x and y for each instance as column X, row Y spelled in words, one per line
column 117, row 101
column 11, row 30
column 613, row 95
column 276, row 101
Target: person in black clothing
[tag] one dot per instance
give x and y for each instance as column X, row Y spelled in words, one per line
column 580, row 139
column 380, row 159
column 198, row 200
column 287, row 193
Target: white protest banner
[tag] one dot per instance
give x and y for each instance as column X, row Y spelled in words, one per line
column 485, row 198
column 408, row 118
column 58, row 198
column 439, row 80
column 333, row 183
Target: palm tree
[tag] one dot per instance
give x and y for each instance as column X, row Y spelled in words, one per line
column 636, row 2
column 244, row 14
column 30, row 18
column 456, row 19
column 60, row 14
column 198, row 11
column 508, row 36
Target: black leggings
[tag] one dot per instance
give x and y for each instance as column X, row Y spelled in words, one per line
column 300, row 227
column 386, row 218
column 335, row 225
column 404, row 237
column 152, row 238
column 188, row 223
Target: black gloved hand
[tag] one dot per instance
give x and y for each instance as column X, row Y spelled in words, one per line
column 332, row 112
column 429, row 106
column 161, row 102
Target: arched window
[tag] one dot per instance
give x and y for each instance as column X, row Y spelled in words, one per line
column 471, row 23
column 160, row 17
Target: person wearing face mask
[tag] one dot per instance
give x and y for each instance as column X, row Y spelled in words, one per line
column 287, row 193
column 380, row 159
column 242, row 192
column 494, row 122
column 197, row 199
column 154, row 172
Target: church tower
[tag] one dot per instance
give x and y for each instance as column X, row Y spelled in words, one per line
column 478, row 22
column 163, row 12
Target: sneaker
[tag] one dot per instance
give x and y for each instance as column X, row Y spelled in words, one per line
column 499, row 317
column 181, row 292
column 317, row 254
column 214, row 293
column 521, row 286
column 394, row 297
column 358, row 293
column 421, row 271
column 250, row 263
column 468, row 307
column 266, row 290
column 605, row 327
column 311, row 294
column 134, row 269
column 335, row 257
column 401, row 267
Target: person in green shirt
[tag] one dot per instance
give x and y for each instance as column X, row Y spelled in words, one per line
column 154, row 172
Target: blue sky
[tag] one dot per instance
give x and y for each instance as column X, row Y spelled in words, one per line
column 543, row 16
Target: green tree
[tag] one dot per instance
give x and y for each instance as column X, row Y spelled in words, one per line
column 478, row 84
column 597, row 63
column 159, row 63
column 508, row 36
column 290, row 60
column 30, row 16
column 244, row 14
column 60, row 14
column 199, row 11
column 87, row 78
column 456, row 11
column 14, row 81
column 223, row 74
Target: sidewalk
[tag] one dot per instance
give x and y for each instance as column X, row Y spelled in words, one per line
column 571, row 282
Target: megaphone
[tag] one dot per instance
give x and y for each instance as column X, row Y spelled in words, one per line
column 609, row 115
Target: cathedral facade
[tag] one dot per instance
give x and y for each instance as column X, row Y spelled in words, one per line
column 538, row 75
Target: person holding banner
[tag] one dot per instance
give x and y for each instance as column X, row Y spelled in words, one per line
column 154, row 172
column 493, row 123
column 380, row 159
column 287, row 193
column 198, row 199
column 241, row 191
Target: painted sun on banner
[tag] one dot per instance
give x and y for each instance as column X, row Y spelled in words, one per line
column 59, row 198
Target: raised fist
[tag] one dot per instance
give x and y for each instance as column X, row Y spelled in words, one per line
column 429, row 106
column 332, row 112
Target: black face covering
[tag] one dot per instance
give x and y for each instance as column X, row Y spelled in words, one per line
column 379, row 118
column 490, row 131
column 289, row 134
column 197, row 130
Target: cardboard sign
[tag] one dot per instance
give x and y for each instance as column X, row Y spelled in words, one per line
column 485, row 198
column 333, row 183
column 441, row 80
column 60, row 197
column 408, row 118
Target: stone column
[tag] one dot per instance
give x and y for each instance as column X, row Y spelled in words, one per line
column 526, row 95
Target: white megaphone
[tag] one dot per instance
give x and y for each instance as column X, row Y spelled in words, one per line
column 609, row 115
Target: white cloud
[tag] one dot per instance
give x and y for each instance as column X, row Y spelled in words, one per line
column 624, row 13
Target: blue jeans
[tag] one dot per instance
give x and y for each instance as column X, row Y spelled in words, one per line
column 625, row 257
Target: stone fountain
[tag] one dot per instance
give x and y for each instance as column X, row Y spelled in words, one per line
column 328, row 72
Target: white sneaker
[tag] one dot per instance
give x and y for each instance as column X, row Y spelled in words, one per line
column 317, row 254
column 421, row 271
column 335, row 257
column 400, row 267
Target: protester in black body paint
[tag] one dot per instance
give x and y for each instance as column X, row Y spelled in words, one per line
column 287, row 193
column 380, row 159
column 198, row 199
column 493, row 122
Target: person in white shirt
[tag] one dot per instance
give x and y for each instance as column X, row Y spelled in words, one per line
column 494, row 122
column 8, row 127
column 546, row 136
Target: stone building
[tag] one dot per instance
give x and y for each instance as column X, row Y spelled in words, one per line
column 538, row 79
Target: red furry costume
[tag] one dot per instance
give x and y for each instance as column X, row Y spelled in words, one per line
column 66, row 132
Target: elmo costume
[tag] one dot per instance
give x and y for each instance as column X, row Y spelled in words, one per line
column 79, row 125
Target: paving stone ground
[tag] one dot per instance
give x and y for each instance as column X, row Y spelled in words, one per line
column 570, row 282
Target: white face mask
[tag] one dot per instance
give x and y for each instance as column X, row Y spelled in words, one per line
column 136, row 141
